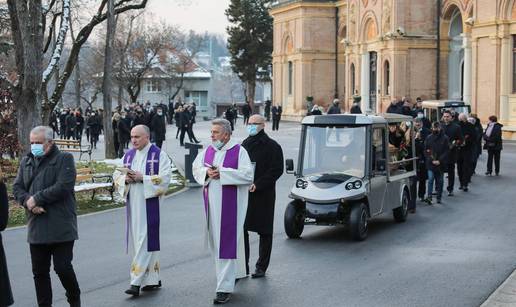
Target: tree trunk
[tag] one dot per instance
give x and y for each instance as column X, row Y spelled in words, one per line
column 120, row 95
column 251, row 90
column 77, row 85
column 107, row 83
column 27, row 33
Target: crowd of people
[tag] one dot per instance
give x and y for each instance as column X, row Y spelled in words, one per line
column 270, row 110
column 450, row 146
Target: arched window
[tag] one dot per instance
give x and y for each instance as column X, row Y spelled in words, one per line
column 352, row 78
column 290, row 77
column 387, row 78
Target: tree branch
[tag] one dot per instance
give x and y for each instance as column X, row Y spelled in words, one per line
column 82, row 37
column 58, row 50
column 51, row 31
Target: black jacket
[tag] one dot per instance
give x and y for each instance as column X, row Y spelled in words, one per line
column 355, row 109
column 158, row 127
column 394, row 108
column 468, row 148
column 437, row 147
column 334, row 110
column 268, row 156
column 94, row 124
column 420, row 152
column 494, row 142
column 455, row 137
column 6, row 296
column 124, row 132
column 51, row 182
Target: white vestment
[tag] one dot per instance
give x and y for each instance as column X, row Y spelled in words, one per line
column 145, row 265
column 227, row 269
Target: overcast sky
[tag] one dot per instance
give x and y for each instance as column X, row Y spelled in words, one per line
column 198, row 15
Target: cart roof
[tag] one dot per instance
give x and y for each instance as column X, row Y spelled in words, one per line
column 355, row 119
column 442, row 103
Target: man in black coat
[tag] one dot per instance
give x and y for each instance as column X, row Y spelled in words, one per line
column 124, row 133
column 394, row 107
column 455, row 137
column 71, row 125
column 334, row 109
column 45, row 187
column 467, row 152
column 421, row 134
column 437, row 149
column 276, row 117
column 493, row 145
column 6, row 296
column 267, row 156
column 158, row 127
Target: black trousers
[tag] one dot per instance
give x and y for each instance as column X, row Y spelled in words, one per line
column 264, row 254
column 62, row 254
column 493, row 155
column 451, row 176
column 465, row 170
column 275, row 123
column 413, row 192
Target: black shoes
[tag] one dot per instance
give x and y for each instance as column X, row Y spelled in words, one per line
column 450, row 193
column 488, row 174
column 221, row 298
column 258, row 274
column 428, row 200
column 438, row 200
column 465, row 189
column 133, row 290
column 152, row 287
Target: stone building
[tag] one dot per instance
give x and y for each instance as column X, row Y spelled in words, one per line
column 387, row 49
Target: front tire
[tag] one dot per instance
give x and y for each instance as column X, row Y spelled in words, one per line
column 358, row 222
column 400, row 213
column 294, row 220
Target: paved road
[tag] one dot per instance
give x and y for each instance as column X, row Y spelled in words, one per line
column 454, row 254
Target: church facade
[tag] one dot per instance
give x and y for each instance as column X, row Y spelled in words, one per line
column 388, row 49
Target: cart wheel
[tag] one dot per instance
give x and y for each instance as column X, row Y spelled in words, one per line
column 294, row 220
column 400, row 213
column 358, row 225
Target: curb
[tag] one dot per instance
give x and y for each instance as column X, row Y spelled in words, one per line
column 505, row 295
column 106, row 211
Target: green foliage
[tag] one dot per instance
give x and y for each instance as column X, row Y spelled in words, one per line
column 250, row 37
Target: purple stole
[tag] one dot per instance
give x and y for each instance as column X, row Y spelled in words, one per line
column 228, row 227
column 152, row 204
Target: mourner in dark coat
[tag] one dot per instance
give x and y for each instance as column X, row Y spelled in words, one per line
column 268, row 158
column 421, row 134
column 95, row 126
column 493, row 144
column 437, row 149
column 124, row 132
column 45, row 187
column 6, row 296
column 158, row 127
column 454, row 133
column 467, row 152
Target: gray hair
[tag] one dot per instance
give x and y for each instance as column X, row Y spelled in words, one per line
column 47, row 132
column 145, row 128
column 224, row 123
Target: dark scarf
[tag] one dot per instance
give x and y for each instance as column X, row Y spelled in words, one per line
column 258, row 140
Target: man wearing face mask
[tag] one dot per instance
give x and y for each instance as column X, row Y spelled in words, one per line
column 268, row 158
column 158, row 127
column 226, row 174
column 45, row 187
column 456, row 139
column 437, row 149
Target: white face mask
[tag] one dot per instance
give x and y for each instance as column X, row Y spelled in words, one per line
column 160, row 113
column 218, row 144
column 420, row 115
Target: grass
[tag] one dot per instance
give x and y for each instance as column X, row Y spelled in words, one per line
column 85, row 204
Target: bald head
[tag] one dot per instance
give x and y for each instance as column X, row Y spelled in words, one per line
column 463, row 117
column 140, row 136
column 256, row 119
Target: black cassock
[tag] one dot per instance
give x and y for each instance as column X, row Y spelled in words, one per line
column 268, row 156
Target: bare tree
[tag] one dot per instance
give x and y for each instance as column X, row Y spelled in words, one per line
column 107, row 82
column 28, row 21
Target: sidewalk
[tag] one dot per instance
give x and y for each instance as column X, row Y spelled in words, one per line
column 505, row 295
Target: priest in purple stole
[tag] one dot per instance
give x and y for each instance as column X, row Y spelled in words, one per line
column 226, row 173
column 143, row 180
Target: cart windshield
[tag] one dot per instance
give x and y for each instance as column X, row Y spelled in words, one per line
column 335, row 150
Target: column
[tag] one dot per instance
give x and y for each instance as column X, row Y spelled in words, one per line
column 364, row 82
column 505, row 79
column 467, row 82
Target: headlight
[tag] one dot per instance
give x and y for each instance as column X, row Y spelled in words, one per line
column 350, row 186
column 301, row 184
column 357, row 184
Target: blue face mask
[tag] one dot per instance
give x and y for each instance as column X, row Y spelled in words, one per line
column 218, row 144
column 37, row 150
column 252, row 130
